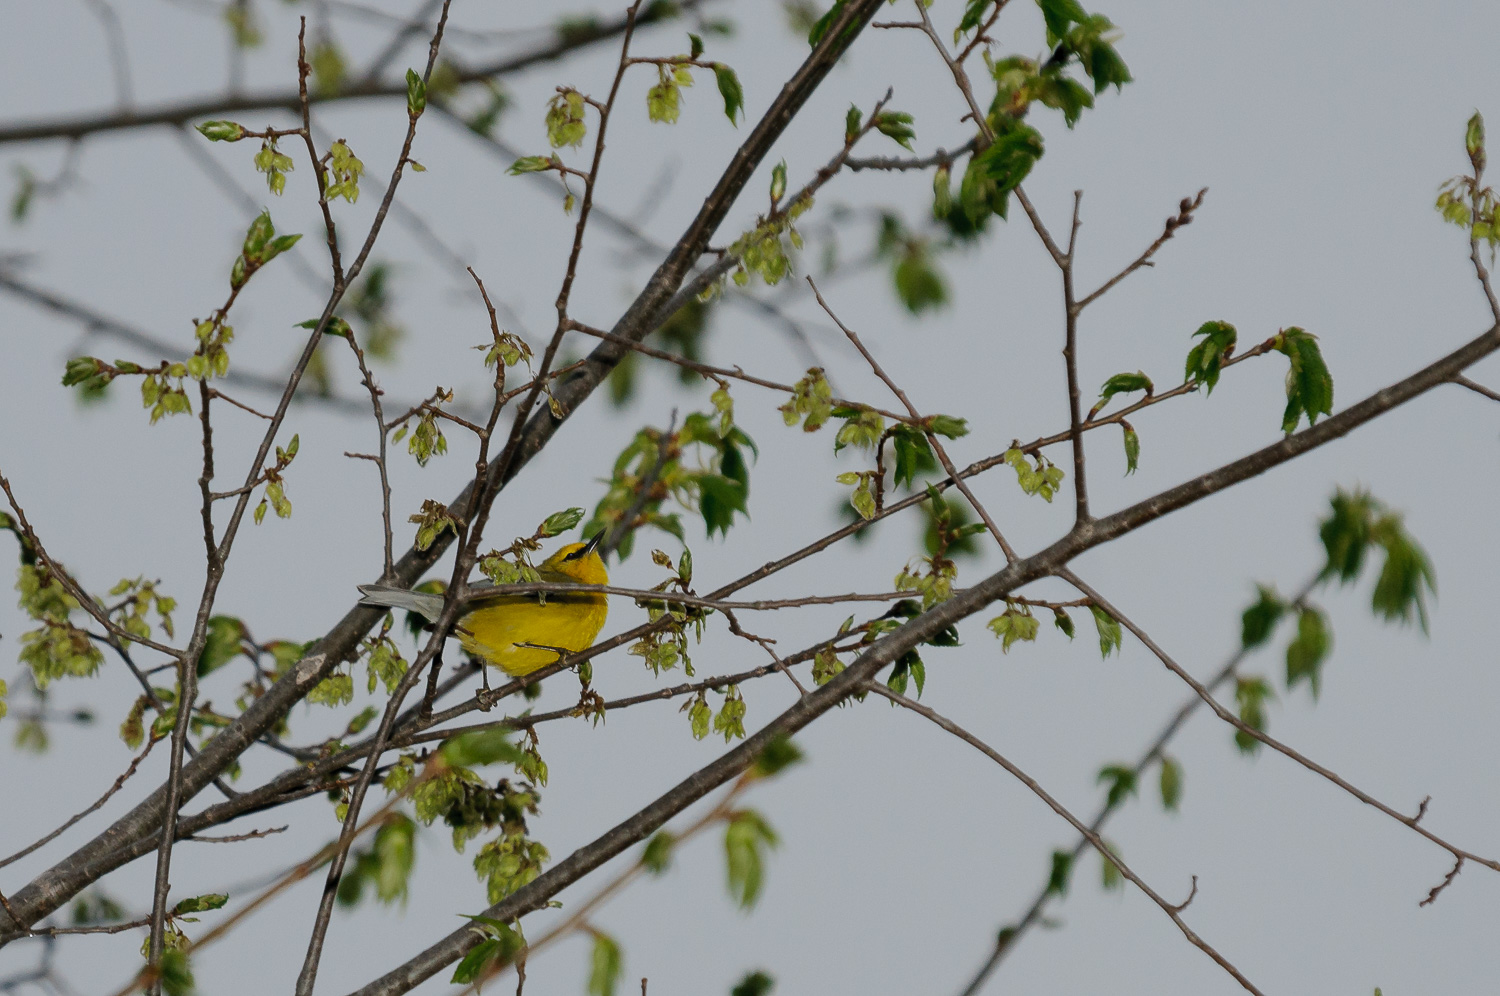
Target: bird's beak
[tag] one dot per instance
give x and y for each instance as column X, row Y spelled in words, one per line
column 592, row 544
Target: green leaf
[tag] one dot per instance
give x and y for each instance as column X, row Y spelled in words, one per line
column 1059, row 14
column 1206, row 358
column 1063, row 622
column 277, row 246
column 479, row 959
column 1308, row 649
column 1057, row 879
column 560, row 522
column 501, row 944
column 1171, row 783
column 1110, row 876
column 695, row 46
column 778, row 181
column 177, row 973
column 258, row 234
column 416, row 94
column 820, row 28
column 1122, row 783
column 1309, row 386
column 664, row 101
column 730, row 90
column 1346, row 533
column 657, row 856
column 200, row 904
column 777, row 756
column 1009, row 158
column 947, row 426
column 1063, row 93
column 606, row 965
column 852, row 121
column 531, row 164
column 481, row 747
column 913, row 455
column 1260, row 619
column 746, row 839
column 755, row 983
column 1405, row 579
column 1251, row 694
column 973, row 15
column 1105, row 67
column 1110, row 636
column 719, row 497
column 1132, row 450
column 897, row 126
column 221, row 131
column 222, row 643
column 1123, row 383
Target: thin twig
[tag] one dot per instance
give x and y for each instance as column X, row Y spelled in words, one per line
column 1172, row 911
column 98, row 804
column 932, row 439
column 1269, row 741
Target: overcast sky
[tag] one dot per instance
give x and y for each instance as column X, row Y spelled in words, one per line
column 1321, row 130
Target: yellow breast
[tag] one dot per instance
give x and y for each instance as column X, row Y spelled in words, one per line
column 564, row 623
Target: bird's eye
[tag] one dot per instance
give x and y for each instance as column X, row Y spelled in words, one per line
column 575, row 554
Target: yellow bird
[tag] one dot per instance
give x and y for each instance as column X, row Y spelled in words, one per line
column 494, row 625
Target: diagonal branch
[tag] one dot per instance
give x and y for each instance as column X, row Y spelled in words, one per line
column 1414, row 822
column 185, row 112
column 1007, row 938
column 1172, row 910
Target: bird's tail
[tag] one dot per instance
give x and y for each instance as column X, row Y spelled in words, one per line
column 422, row 603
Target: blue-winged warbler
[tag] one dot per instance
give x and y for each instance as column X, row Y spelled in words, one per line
column 494, row 625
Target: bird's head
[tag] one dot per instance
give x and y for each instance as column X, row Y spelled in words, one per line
column 580, row 561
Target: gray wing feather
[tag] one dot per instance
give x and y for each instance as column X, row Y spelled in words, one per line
column 387, row 596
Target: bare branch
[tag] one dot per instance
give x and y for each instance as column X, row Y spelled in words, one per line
column 1173, row 912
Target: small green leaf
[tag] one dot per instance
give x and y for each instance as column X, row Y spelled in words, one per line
column 778, row 181
column 222, row 643
column 746, row 839
column 1251, row 695
column 1122, row 783
column 606, row 965
column 1260, row 619
column 695, row 44
column 1063, row 622
column 852, row 122
column 729, row 89
column 948, row 426
column 1308, row 649
column 221, row 131
column 1132, row 450
column 657, row 856
column 200, row 904
column 481, row 747
column 897, row 126
column 531, row 164
column 1206, row 358
column 560, row 522
column 1309, row 386
column 1110, row 876
column 1123, row 383
column 1171, row 783
column 1110, row 637
column 777, row 756
column 758, row 983
column 1062, row 867
column 416, row 94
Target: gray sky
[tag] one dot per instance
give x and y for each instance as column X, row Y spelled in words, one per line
column 1322, row 131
